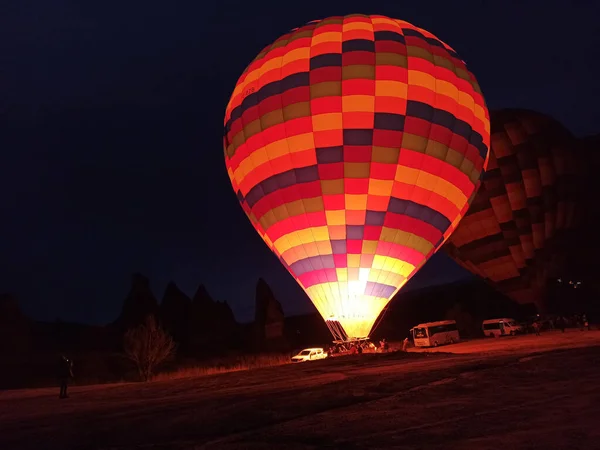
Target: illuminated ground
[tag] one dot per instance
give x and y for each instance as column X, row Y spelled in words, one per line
column 513, row 393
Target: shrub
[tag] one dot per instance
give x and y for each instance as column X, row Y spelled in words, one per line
column 148, row 345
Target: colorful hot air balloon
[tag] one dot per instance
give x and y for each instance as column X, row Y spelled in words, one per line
column 354, row 145
column 511, row 234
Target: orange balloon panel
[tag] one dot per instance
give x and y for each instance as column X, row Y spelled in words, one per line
column 527, row 196
column 354, row 145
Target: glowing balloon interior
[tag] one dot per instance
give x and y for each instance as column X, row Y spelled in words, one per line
column 354, row 145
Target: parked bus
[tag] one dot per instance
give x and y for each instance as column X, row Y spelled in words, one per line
column 501, row 327
column 432, row 334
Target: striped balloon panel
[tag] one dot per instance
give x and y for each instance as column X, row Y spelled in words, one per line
column 528, row 196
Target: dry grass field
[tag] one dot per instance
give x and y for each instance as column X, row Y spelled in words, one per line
column 524, row 392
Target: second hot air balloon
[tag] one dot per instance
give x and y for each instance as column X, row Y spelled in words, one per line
column 512, row 234
column 354, row 145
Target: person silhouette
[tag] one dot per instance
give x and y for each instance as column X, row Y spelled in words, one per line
column 65, row 372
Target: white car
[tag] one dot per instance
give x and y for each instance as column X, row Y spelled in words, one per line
column 310, row 354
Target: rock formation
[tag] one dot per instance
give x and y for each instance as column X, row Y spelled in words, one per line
column 213, row 325
column 175, row 314
column 269, row 318
column 15, row 335
column 202, row 298
column 139, row 303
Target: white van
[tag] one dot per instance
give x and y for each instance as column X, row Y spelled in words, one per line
column 501, row 327
column 435, row 333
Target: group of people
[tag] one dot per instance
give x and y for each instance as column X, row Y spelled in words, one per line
column 561, row 322
column 358, row 347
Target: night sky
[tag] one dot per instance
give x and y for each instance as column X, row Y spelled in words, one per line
column 111, row 134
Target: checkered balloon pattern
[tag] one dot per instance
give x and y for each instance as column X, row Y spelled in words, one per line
column 511, row 235
column 354, row 145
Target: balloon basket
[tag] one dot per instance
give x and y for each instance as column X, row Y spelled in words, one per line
column 351, row 345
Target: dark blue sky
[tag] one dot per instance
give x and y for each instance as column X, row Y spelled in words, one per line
column 111, row 118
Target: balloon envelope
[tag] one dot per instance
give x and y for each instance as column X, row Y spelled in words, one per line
column 354, row 145
column 511, row 234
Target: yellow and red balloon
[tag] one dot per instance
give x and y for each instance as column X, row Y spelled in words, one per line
column 354, row 145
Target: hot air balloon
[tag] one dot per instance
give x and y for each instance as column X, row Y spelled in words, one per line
column 512, row 234
column 354, row 145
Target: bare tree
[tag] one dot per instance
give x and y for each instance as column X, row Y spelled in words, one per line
column 148, row 345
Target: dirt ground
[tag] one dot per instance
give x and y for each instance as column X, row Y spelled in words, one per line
column 527, row 392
